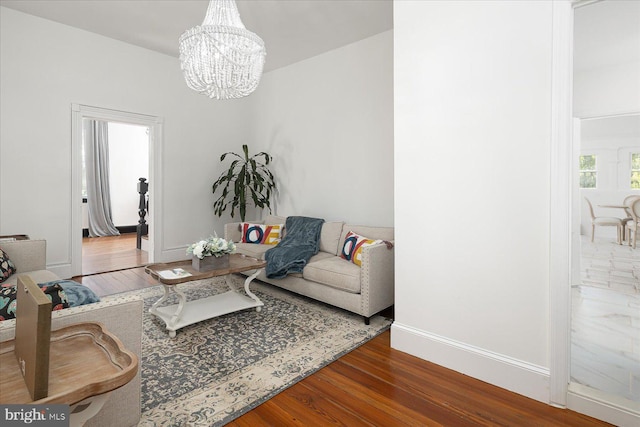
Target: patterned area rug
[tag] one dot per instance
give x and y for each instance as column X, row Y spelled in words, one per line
column 216, row 370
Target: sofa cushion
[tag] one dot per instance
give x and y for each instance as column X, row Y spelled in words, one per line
column 266, row 234
column 274, row 219
column 352, row 247
column 6, row 266
column 8, row 299
column 38, row 276
column 252, row 249
column 330, row 237
column 333, row 271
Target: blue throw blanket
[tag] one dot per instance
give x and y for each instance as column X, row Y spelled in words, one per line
column 301, row 242
column 77, row 294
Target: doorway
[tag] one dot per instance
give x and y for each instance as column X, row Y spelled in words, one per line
column 604, row 43
column 124, row 120
column 116, row 245
column 605, row 293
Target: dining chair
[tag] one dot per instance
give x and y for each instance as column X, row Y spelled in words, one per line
column 604, row 221
column 634, row 224
column 628, row 201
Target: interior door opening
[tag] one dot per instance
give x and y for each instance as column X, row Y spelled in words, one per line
column 137, row 153
column 605, row 293
column 124, row 242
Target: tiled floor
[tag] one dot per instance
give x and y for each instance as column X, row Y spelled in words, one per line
column 605, row 347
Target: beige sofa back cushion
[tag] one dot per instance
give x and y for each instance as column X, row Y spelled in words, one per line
column 330, row 237
column 27, row 255
column 273, row 220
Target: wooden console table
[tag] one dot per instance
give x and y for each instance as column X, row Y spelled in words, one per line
column 186, row 313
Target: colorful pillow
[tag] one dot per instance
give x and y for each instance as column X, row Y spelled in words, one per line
column 8, row 301
column 352, row 247
column 7, row 268
column 259, row 233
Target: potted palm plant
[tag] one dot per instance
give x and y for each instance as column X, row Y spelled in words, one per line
column 247, row 180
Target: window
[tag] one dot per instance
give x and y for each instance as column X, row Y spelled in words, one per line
column 635, row 170
column 588, row 172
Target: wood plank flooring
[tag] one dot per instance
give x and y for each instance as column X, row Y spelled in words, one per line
column 375, row 385
column 111, row 253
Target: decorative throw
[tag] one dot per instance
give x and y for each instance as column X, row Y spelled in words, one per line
column 259, row 233
column 7, row 268
column 77, row 293
column 8, row 302
column 301, row 242
column 352, row 247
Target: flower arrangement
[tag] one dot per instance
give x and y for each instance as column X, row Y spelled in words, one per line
column 213, row 246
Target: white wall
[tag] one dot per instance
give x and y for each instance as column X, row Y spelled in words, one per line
column 44, row 68
column 472, row 189
column 328, row 121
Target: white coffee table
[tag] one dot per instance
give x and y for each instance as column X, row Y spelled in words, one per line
column 186, row 313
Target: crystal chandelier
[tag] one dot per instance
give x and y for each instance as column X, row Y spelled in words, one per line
column 221, row 58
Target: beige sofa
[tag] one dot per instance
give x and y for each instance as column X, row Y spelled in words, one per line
column 121, row 315
column 364, row 290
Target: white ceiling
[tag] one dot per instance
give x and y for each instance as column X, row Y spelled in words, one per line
column 606, row 32
column 292, row 30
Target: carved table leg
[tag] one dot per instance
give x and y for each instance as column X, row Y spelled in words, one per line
column 248, row 291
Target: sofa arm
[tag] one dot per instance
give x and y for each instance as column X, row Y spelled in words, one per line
column 232, row 231
column 27, row 255
column 377, row 278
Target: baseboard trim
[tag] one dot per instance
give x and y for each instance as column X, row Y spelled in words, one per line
column 123, row 229
column 622, row 413
column 503, row 371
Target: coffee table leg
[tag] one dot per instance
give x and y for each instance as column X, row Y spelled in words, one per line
column 251, row 294
column 154, row 307
column 177, row 314
column 181, row 301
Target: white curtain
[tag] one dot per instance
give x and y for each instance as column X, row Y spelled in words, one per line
column 96, row 151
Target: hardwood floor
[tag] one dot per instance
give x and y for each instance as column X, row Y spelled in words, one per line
column 117, row 281
column 113, row 264
column 376, row 385
column 103, row 254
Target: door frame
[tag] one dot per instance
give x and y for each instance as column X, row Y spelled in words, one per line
column 563, row 232
column 155, row 124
